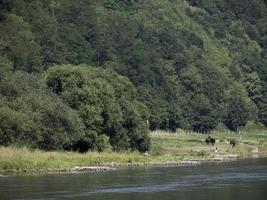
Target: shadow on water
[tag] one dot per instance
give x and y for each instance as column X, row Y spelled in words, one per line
column 242, row 179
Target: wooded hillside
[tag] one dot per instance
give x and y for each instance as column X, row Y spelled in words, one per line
column 88, row 74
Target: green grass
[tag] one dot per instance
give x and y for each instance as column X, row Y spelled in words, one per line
column 190, row 144
column 12, row 158
column 23, row 158
column 165, row 147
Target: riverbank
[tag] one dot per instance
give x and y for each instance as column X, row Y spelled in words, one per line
column 167, row 149
column 112, row 165
column 13, row 160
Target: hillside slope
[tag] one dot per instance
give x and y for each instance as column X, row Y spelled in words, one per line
column 176, row 64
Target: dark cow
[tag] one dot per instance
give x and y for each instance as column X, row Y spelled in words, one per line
column 232, row 143
column 210, row 140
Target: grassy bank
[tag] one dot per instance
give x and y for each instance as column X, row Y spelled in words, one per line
column 166, row 147
column 192, row 145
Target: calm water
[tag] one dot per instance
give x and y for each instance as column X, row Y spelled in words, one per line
column 245, row 179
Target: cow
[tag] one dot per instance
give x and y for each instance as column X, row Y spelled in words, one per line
column 210, row 140
column 232, row 143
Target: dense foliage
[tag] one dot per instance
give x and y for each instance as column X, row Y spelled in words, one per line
column 106, row 103
column 177, row 64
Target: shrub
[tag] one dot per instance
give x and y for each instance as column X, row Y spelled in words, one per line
column 106, row 103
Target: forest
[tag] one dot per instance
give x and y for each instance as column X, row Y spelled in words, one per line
column 96, row 74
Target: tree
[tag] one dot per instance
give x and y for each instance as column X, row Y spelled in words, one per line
column 106, row 103
column 18, row 44
column 239, row 109
column 31, row 115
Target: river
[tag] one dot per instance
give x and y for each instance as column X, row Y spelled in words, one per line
column 236, row 180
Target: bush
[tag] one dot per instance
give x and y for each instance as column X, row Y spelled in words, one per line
column 106, row 103
column 102, row 143
column 33, row 116
column 13, row 126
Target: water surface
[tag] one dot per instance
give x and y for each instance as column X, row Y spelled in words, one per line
column 237, row 180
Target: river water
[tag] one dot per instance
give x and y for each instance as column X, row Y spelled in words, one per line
column 237, row 180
